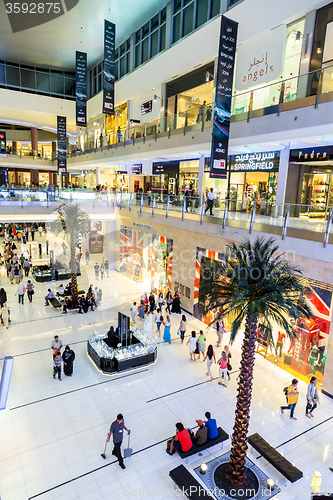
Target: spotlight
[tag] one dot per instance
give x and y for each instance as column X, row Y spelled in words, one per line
column 203, row 468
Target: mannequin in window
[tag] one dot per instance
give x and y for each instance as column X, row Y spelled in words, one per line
column 313, row 358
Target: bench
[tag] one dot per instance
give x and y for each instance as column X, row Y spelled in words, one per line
column 189, row 486
column 55, row 302
column 196, row 448
column 80, row 292
column 287, row 469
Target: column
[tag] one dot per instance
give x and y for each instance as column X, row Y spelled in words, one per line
column 282, row 178
column 34, row 176
column 14, row 146
column 54, row 150
column 307, row 43
column 34, row 140
column 109, row 231
column 201, row 175
column 328, row 373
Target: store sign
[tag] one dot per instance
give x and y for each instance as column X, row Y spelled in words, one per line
column 143, row 226
column 81, row 89
column 3, row 144
column 62, row 144
column 146, row 107
column 136, row 169
column 312, row 154
column 124, row 326
column 170, row 167
column 260, row 60
column 222, row 108
column 256, row 162
column 109, row 67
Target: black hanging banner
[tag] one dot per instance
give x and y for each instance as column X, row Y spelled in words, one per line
column 3, row 145
column 109, row 67
column 81, row 89
column 222, row 108
column 62, row 144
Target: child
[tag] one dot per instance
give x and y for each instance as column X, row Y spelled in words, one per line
column 57, row 362
column 99, row 295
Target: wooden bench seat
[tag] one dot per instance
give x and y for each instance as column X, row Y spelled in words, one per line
column 55, row 302
column 287, row 469
column 189, row 486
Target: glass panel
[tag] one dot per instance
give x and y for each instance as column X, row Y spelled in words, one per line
column 154, row 44
column 122, row 49
column 116, row 54
column 202, row 12
column 162, row 37
column 57, row 84
column 122, row 66
column 128, row 44
column 188, row 19
column 145, row 50
column 176, row 5
column 163, row 15
column 98, row 84
column 145, row 30
column 186, row 2
column 154, row 23
column 116, row 70
column 215, row 9
column 137, row 36
column 13, row 76
column 2, row 73
column 43, row 82
column 137, row 61
column 69, row 86
column 176, row 28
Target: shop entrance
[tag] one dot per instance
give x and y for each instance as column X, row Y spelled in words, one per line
column 317, row 194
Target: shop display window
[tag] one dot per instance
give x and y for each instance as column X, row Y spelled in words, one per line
column 317, row 194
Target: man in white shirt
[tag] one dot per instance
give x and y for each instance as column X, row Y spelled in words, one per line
column 134, row 310
column 210, row 201
column 61, row 290
column 56, row 344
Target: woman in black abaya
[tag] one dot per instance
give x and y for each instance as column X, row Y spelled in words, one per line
column 68, row 358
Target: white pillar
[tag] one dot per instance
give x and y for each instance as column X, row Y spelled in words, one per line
column 282, row 177
column 201, row 175
column 109, row 231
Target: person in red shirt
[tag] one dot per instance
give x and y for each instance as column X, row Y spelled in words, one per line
column 182, row 440
column 279, row 343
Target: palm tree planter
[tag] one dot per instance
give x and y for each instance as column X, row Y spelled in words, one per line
column 257, row 282
column 71, row 223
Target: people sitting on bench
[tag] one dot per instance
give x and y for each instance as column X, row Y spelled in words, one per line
column 211, row 426
column 91, row 301
column 49, row 296
column 181, row 441
column 201, row 436
column 61, row 291
column 67, row 305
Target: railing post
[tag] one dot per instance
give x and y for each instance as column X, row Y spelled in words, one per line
column 185, row 124
column 202, row 210
column 153, row 205
column 319, row 89
column 141, row 203
column 225, row 215
column 121, row 200
column 115, row 199
column 253, row 215
column 167, row 207
column 328, row 227
column 184, row 208
column 130, row 202
column 286, row 222
column 250, row 107
column 281, row 99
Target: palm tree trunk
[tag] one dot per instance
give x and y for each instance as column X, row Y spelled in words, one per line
column 236, row 472
column 73, row 267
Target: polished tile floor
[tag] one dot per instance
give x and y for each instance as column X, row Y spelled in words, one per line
column 52, row 433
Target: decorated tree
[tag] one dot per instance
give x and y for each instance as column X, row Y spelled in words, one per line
column 71, row 223
column 256, row 282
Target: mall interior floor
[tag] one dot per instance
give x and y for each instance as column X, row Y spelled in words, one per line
column 52, row 434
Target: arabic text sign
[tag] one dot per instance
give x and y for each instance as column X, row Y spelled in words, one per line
column 260, row 60
column 81, row 89
column 222, row 108
column 256, row 162
column 109, row 67
column 62, row 144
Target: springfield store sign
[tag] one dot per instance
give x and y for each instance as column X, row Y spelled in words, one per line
column 260, row 60
column 256, row 162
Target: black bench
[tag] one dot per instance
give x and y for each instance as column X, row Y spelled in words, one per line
column 272, row 456
column 68, row 294
column 188, row 484
column 196, row 448
column 55, row 302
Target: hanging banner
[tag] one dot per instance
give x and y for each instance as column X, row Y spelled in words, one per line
column 222, row 108
column 62, row 144
column 3, row 145
column 109, row 67
column 81, row 89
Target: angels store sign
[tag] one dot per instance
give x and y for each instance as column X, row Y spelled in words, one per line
column 261, row 60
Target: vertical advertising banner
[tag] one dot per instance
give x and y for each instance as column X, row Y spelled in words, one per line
column 3, row 145
column 81, row 89
column 124, row 326
column 222, row 108
column 109, row 67
column 62, row 144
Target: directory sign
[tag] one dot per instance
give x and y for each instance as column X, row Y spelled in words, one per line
column 222, row 107
column 166, row 167
column 109, row 67
column 146, row 107
column 62, row 144
column 81, row 89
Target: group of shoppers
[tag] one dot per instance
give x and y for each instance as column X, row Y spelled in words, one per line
column 66, row 359
column 292, row 393
column 185, row 438
column 100, row 270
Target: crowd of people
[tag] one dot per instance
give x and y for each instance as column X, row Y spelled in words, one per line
column 184, row 439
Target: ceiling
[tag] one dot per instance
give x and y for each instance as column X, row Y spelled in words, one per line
column 80, row 27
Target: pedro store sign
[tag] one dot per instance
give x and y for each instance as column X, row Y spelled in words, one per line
column 261, row 60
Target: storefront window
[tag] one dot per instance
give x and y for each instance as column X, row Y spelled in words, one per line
column 113, row 122
column 87, row 179
column 194, row 106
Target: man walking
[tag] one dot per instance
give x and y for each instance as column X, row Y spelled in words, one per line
column 117, row 431
column 210, row 201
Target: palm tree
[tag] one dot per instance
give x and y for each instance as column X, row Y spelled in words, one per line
column 256, row 282
column 71, row 222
